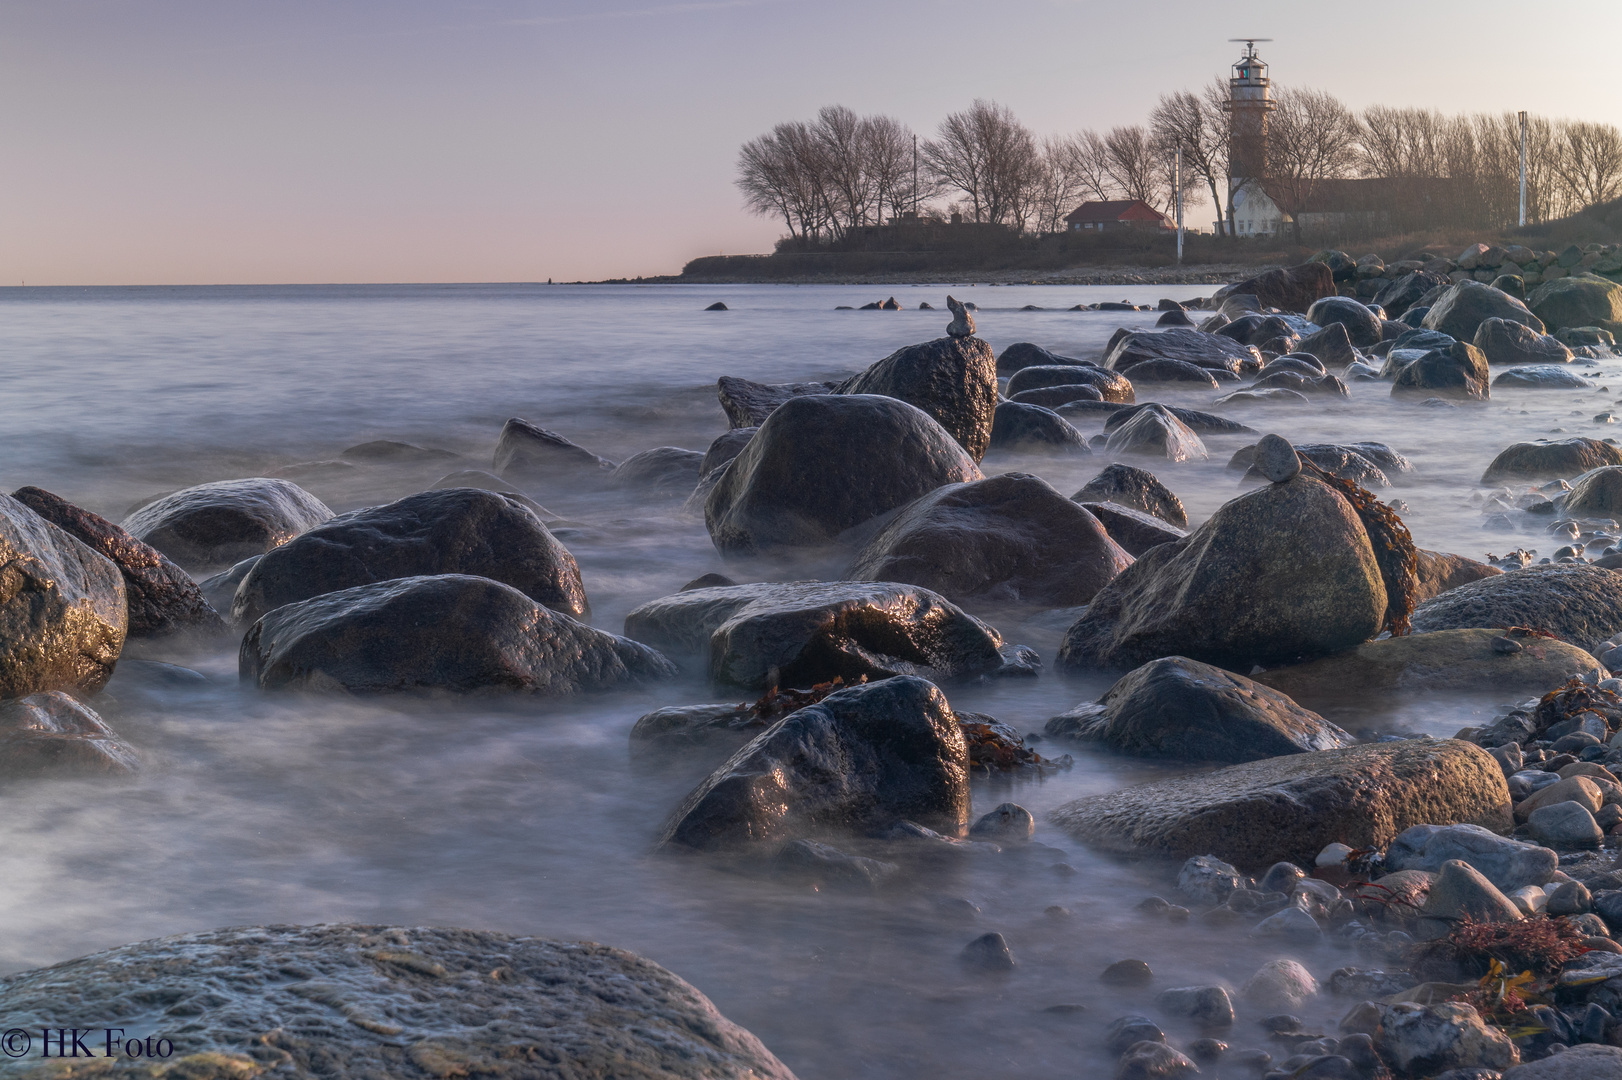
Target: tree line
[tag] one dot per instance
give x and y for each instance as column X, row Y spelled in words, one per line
column 840, row 171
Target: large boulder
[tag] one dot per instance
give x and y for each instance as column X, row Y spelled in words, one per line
column 1032, row 429
column 451, row 531
column 453, row 632
column 822, row 464
column 748, row 404
column 953, row 379
column 1293, row 288
column 1009, row 538
column 1292, row 807
column 1282, row 573
column 1330, row 346
column 1508, row 864
column 1111, row 385
column 218, row 524
column 63, row 613
column 1575, row 602
column 1580, row 300
column 162, row 598
column 800, row 633
column 1362, row 325
column 1506, row 341
column 1130, row 527
column 1154, row 431
column 526, row 451
column 1461, row 310
column 1446, row 660
column 1597, row 493
column 1179, row 343
column 862, row 759
column 1135, row 488
column 1179, row 708
column 372, row 1001
column 724, row 448
column 1551, row 460
column 1438, row 571
column 51, row 734
column 1404, row 292
column 1458, row 371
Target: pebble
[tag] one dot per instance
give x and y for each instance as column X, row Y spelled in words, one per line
column 1281, row 877
column 1276, row 459
column 1505, row 645
column 1010, row 821
column 1333, row 855
column 1292, row 923
column 1127, row 973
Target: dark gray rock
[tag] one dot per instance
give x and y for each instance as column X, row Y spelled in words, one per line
column 1541, row 377
column 51, row 734
column 1172, row 371
column 747, row 404
column 1023, row 354
column 469, row 998
column 725, row 448
column 390, row 451
column 1272, row 396
column 1551, row 460
column 664, row 470
column 1031, row 428
column 1336, row 460
column 805, row 632
column 1459, row 371
column 1008, row 821
column 1135, row 488
column 1461, row 310
column 526, row 451
column 1009, row 538
column 1575, row 602
column 1051, row 397
column 989, row 952
column 1362, row 325
column 1178, row 708
column 1155, row 431
column 1131, row 528
column 221, row 523
column 962, row 324
column 861, row 759
column 1300, row 365
column 162, row 598
column 1566, row 826
column 1276, row 460
column 1505, row 341
column 1111, row 385
column 952, row 379
column 1186, row 346
column 823, row 464
column 1302, row 384
column 1508, row 864
column 221, row 589
column 1578, row 300
column 454, row 531
column 1292, row 288
column 1331, row 346
column 1597, row 493
column 451, row 632
column 1202, row 423
column 1404, row 292
column 826, row 865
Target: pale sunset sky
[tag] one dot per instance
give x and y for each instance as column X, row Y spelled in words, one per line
column 227, row 141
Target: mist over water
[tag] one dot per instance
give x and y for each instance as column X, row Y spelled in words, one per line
column 529, row 816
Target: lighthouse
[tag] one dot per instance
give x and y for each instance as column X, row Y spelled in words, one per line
column 1250, row 99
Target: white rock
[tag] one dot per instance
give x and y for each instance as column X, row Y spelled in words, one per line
column 1279, row 985
column 1530, row 899
column 1333, row 855
column 1435, row 1038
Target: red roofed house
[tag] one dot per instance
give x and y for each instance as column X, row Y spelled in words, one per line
column 1118, row 214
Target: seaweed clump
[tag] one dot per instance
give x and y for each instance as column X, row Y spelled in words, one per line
column 1394, row 549
column 1539, row 945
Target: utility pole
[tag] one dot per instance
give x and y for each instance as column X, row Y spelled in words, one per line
column 1177, row 183
column 915, row 177
column 1523, row 168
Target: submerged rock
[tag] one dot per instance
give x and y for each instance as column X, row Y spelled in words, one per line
column 63, row 614
column 821, row 465
column 1051, row 397
column 1178, row 708
column 1291, row 807
column 396, row 1001
column 1136, row 488
column 527, row 451
column 1033, row 429
column 952, row 379
column 664, row 470
column 224, row 522
column 450, row 632
column 162, row 598
column 51, row 734
column 1542, row 377
column 748, row 404
column 1575, row 602
column 1131, row 528
column 1458, row 371
column 859, row 760
column 1551, row 460
column 1202, row 423
column 453, row 531
column 1155, row 431
column 1024, row 354
column 1009, row 538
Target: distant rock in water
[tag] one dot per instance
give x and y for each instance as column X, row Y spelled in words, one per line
column 1541, row 377
column 526, row 451
column 162, row 598
column 1212, row 351
column 1137, row 488
column 1551, row 460
column 748, row 404
column 451, row 633
column 224, row 522
column 51, row 734
column 953, row 379
column 1203, row 423
column 390, row 451
column 1023, row 354
column 1458, row 371
column 717, row 306
column 1111, row 385
column 603, row 1011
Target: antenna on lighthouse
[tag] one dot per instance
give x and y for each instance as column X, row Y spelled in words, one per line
column 1250, row 45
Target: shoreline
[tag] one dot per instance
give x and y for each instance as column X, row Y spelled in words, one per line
column 1206, row 274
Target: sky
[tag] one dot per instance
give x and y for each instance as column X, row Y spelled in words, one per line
column 316, row 141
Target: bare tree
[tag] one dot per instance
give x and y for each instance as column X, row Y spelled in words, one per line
column 988, row 155
column 1588, row 163
column 1312, row 139
column 780, row 175
column 887, row 148
column 1200, row 127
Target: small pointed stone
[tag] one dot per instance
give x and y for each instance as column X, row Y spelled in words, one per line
column 962, row 324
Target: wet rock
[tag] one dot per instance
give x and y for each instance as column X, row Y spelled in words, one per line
column 1567, row 826
column 1023, row 354
column 1362, row 325
column 1300, row 365
column 725, row 448
column 1404, row 292
column 391, row 451
column 1279, row 984
column 824, row 864
column 51, row 734
column 807, row 632
column 1032, row 429
column 1207, row 879
column 467, row 997
column 962, row 324
column 1420, row 1040
column 676, row 728
column 1127, row 973
column 1456, row 660
column 1180, row 346
column 1506, row 341
column 1331, row 347
column 1508, row 864
column 1276, row 459
column 664, row 470
column 1291, row 807
column 1172, row 371
column 951, row 379
column 1580, row 789
column 1438, row 571
column 1541, row 378
column 1461, row 891
column 1155, row 431
column 1206, row 1005
column 162, row 598
column 1302, row 384
column 226, row 521
column 1174, row 707
column 748, row 404
column 1596, row 494
column 1153, row 1061
column 1010, row 538
column 860, row 759
column 1578, row 603
column 63, row 613
column 220, row 589
column 450, row 632
column 1135, row 488
column 1293, row 288
column 472, row 478
column 528, row 452
column 1571, row 898
column 1111, row 385
column 1009, row 821
column 823, row 464
column 1589, row 1061
column 1292, row 924
column 1201, row 423
column 1458, row 371
column 1280, row 573
column 1548, row 460
column 1273, row 396
column 1460, row 311
column 1582, row 300
column 452, row 531
column 1134, row 530
column 1051, row 397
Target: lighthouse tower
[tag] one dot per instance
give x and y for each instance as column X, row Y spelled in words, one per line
column 1250, row 99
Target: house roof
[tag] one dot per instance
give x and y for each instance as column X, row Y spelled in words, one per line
column 1114, row 210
